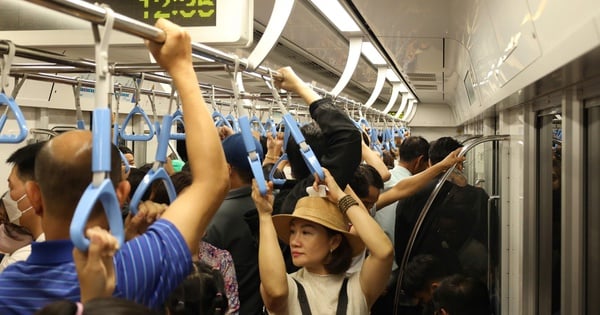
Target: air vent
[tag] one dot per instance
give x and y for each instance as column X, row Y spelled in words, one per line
column 429, row 87
column 430, row 77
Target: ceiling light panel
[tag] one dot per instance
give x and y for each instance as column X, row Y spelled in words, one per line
column 337, row 15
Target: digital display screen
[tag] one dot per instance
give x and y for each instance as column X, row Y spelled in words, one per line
column 182, row 12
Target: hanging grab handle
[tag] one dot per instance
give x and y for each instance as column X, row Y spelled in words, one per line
column 271, row 127
column 104, row 192
column 101, row 189
column 157, row 172
column 23, row 131
column 78, row 111
column 137, row 110
column 278, row 182
column 255, row 124
column 305, row 150
column 234, row 123
column 291, row 127
column 220, row 120
column 177, row 117
column 253, row 157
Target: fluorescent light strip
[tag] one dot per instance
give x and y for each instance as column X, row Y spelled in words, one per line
column 374, row 57
column 337, row 15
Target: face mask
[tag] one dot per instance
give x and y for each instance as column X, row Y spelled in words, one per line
column 12, row 208
column 9, row 245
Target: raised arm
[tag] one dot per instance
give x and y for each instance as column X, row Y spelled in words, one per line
column 271, row 266
column 411, row 185
column 341, row 152
column 372, row 158
column 193, row 209
column 377, row 267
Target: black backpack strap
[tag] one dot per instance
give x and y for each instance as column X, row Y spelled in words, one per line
column 343, row 299
column 304, row 306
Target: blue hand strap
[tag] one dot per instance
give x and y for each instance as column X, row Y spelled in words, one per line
column 157, row 172
column 278, row 182
column 137, row 110
column 363, row 122
column 12, row 105
column 305, row 150
column 80, row 124
column 270, row 127
column 125, row 162
column 146, row 183
column 177, row 117
column 234, row 123
column 391, row 139
column 258, row 126
column 220, row 120
column 253, row 157
column 374, row 137
column 103, row 193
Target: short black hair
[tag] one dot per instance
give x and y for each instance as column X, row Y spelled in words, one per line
column 420, row 272
column 365, row 176
column 462, row 295
column 24, row 160
column 413, row 147
column 125, row 149
column 440, row 148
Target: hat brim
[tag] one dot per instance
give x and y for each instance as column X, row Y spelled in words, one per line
column 282, row 223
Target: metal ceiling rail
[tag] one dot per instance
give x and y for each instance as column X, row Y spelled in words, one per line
column 115, row 68
column 97, row 14
column 55, row 78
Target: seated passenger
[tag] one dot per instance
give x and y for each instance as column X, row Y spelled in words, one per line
column 321, row 244
column 460, row 295
column 164, row 252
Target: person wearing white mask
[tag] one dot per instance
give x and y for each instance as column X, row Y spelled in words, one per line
column 18, row 208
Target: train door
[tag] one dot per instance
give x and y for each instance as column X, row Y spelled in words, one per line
column 464, row 230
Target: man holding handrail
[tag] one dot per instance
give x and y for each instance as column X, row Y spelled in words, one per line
column 150, row 266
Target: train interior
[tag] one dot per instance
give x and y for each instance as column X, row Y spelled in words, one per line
column 518, row 82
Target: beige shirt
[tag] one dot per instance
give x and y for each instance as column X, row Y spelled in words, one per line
column 322, row 292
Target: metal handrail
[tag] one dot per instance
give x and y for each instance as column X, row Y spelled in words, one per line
column 471, row 144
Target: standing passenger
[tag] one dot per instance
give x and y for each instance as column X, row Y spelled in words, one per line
column 234, row 226
column 150, row 266
column 318, row 234
column 17, row 203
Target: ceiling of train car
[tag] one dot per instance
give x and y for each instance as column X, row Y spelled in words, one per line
column 411, row 32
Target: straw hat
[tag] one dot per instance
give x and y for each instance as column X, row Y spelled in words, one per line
column 321, row 211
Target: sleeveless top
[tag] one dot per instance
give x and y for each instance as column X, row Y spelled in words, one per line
column 322, row 292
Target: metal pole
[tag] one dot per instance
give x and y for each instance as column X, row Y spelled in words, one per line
column 96, row 14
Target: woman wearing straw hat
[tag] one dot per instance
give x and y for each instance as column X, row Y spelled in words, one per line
column 322, row 245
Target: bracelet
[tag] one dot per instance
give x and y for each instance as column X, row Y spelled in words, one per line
column 345, row 203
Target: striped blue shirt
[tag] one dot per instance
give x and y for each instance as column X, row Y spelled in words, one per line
column 148, row 268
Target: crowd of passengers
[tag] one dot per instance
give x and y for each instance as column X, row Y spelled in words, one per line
column 309, row 246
